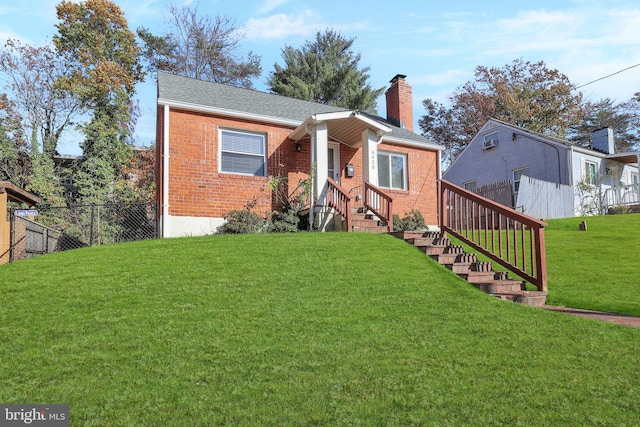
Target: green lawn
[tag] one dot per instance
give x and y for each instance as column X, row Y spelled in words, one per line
column 299, row 329
column 596, row 269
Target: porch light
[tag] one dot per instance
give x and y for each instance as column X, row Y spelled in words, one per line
column 298, row 147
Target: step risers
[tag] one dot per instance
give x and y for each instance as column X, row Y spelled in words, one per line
column 365, row 222
column 530, row 298
column 467, row 266
column 433, row 249
column 500, row 286
column 370, row 228
column 428, row 241
column 408, row 235
column 475, row 277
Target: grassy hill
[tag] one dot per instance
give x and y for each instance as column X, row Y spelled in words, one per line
column 597, row 269
column 302, row 329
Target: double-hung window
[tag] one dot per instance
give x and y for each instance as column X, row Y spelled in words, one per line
column 517, row 177
column 392, row 171
column 590, row 173
column 243, row 153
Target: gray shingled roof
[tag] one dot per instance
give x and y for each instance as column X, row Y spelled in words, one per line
column 172, row 88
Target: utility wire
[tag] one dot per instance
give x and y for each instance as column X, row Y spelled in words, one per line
column 606, row 77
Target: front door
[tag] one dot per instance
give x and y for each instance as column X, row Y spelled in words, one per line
column 333, row 161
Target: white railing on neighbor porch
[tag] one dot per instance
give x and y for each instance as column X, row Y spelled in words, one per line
column 620, row 196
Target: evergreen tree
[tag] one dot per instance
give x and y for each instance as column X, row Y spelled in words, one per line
column 325, row 70
column 605, row 113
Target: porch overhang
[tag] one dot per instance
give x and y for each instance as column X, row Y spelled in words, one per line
column 625, row 158
column 345, row 127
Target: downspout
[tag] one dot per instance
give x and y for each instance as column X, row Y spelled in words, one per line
column 313, row 158
column 165, row 173
column 549, row 144
column 570, row 165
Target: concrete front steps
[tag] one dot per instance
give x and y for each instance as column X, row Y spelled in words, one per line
column 480, row 274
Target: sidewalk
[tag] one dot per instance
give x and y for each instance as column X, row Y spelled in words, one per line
column 620, row 319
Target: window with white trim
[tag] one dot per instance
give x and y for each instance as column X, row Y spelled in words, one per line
column 243, row 153
column 517, row 176
column 590, row 173
column 634, row 178
column 392, row 170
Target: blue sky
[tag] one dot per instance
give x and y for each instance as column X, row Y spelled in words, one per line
column 437, row 44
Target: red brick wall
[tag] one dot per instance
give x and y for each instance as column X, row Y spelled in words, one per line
column 196, row 188
column 422, row 193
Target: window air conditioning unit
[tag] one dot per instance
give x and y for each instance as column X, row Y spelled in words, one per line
column 489, row 144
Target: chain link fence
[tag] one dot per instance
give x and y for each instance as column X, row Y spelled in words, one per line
column 61, row 228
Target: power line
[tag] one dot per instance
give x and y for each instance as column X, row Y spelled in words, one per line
column 606, row 77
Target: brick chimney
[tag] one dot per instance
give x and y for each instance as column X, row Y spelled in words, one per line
column 400, row 103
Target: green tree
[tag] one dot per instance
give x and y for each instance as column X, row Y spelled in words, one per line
column 15, row 162
column 621, row 117
column 201, row 48
column 522, row 93
column 31, row 73
column 93, row 36
column 44, row 112
column 325, row 70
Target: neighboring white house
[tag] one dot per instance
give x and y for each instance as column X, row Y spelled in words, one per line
column 550, row 177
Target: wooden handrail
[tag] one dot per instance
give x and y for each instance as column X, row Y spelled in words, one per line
column 379, row 203
column 338, row 199
column 510, row 238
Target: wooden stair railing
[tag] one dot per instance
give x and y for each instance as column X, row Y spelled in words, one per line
column 508, row 237
column 338, row 199
column 379, row 203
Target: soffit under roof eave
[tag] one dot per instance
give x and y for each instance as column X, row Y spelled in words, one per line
column 626, row 158
column 228, row 113
column 341, row 123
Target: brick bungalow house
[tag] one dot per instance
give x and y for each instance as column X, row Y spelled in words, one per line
column 217, row 147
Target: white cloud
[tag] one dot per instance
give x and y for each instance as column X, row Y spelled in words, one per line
column 281, row 26
column 269, row 5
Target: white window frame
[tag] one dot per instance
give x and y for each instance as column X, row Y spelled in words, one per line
column 336, row 161
column 591, row 179
column 389, row 155
column 221, row 152
column 470, row 185
column 516, row 182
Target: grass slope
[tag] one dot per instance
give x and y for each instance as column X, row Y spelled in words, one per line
column 597, row 269
column 303, row 329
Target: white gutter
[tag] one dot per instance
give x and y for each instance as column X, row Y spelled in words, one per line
column 165, row 173
column 414, row 144
column 228, row 113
